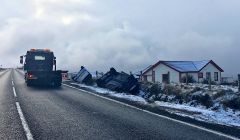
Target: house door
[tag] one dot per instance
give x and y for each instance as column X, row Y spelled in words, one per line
column 208, row 75
column 165, row 78
column 153, row 76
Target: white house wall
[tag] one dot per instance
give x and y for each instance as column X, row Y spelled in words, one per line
column 211, row 68
column 163, row 69
column 149, row 78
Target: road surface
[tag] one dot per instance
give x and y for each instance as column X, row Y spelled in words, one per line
column 67, row 113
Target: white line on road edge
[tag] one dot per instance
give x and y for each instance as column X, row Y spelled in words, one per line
column 14, row 92
column 24, row 123
column 165, row 117
column 12, row 83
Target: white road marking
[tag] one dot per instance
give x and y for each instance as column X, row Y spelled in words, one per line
column 12, row 83
column 14, row 92
column 161, row 116
column 24, row 123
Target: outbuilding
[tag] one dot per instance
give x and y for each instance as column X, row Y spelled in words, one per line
column 180, row 71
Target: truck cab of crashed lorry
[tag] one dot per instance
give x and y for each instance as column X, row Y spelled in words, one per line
column 40, row 68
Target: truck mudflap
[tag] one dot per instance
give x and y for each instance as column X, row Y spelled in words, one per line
column 47, row 78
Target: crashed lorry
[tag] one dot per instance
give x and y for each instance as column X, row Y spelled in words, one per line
column 119, row 81
column 38, row 68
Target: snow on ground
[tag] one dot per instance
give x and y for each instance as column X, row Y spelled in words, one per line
column 234, row 89
column 214, row 87
column 113, row 93
column 223, row 117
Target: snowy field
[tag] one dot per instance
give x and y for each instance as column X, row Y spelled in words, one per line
column 229, row 117
column 221, row 116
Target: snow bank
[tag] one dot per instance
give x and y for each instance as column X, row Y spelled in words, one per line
column 214, row 87
column 229, row 117
column 113, row 93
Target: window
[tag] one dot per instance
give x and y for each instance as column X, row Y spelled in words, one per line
column 165, row 78
column 215, row 76
column 208, row 75
column 39, row 58
column 200, row 75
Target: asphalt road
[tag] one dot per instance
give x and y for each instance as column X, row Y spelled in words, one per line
column 67, row 113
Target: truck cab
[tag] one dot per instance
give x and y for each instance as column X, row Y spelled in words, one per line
column 40, row 68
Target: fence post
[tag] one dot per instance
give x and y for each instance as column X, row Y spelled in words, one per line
column 238, row 82
column 97, row 74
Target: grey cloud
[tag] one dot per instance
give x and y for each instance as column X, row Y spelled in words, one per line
column 127, row 35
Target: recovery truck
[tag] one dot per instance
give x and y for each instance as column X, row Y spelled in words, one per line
column 40, row 68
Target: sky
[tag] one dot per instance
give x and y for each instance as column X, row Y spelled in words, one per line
column 127, row 35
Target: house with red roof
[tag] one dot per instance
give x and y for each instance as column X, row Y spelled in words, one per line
column 177, row 71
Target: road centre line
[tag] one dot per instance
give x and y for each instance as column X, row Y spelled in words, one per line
column 14, row 92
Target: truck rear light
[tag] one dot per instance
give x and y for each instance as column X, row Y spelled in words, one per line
column 31, row 76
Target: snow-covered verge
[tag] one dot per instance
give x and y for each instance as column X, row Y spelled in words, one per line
column 215, row 113
column 217, row 97
column 224, row 117
column 112, row 93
